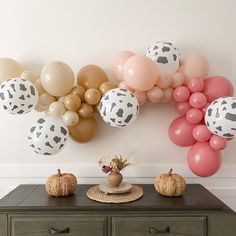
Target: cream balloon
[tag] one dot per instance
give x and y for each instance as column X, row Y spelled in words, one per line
column 28, row 75
column 56, row 109
column 45, row 100
column 70, row 118
column 9, row 68
column 39, row 86
column 57, row 78
column 61, row 99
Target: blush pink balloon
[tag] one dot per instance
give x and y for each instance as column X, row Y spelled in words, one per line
column 203, row 160
column 194, row 116
column 194, row 65
column 118, row 63
column 197, row 100
column 181, row 94
column 140, row 73
column 180, row 132
column 195, row 85
column 141, row 97
column 124, row 86
column 216, row 87
column 201, row 133
column 155, row 94
column 217, row 142
column 182, row 107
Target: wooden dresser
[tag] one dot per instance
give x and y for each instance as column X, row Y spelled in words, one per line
column 29, row 211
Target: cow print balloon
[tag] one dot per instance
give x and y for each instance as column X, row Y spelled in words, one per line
column 48, row 135
column 119, row 107
column 166, row 55
column 220, row 117
column 18, row 96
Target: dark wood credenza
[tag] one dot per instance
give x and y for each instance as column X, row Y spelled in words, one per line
column 29, row 211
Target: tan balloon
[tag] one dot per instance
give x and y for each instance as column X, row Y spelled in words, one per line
column 96, row 108
column 45, row 101
column 57, row 78
column 39, row 86
column 91, row 76
column 9, row 68
column 70, row 118
column 85, row 110
column 28, row 75
column 92, row 96
column 56, row 109
column 84, row 131
column 72, row 102
column 79, row 91
column 106, row 86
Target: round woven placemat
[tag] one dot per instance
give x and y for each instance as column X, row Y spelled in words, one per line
column 94, row 193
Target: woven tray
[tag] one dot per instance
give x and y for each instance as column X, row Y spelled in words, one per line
column 94, row 193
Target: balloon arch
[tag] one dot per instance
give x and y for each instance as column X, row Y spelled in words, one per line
column 207, row 109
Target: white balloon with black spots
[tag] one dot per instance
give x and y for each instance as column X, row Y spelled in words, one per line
column 48, row 135
column 18, row 96
column 166, row 56
column 119, row 107
column 220, row 117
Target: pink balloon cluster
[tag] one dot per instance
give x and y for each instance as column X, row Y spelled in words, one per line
column 204, row 157
column 140, row 75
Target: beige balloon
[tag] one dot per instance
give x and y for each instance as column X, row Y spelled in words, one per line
column 70, row 118
column 85, row 110
column 79, row 91
column 56, row 109
column 92, row 96
column 84, row 131
column 91, row 76
column 72, row 102
column 61, row 99
column 45, row 101
column 57, row 78
column 106, row 86
column 38, row 108
column 9, row 68
column 39, row 86
column 28, row 75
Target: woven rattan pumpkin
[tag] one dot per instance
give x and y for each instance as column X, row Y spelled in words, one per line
column 171, row 185
column 61, row 185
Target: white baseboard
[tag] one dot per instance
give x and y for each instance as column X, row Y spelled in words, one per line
column 93, row 170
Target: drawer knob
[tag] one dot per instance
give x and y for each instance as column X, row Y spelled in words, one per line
column 159, row 231
column 56, row 231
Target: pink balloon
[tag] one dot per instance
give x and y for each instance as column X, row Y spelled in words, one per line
column 194, row 65
column 118, row 63
column 180, row 132
column 182, row 107
column 201, row 133
column 203, row 160
column 216, row 87
column 194, row 116
column 140, row 73
column 197, row 100
column 124, row 86
column 155, row 94
column 181, row 94
column 141, row 97
column 217, row 142
column 196, row 85
column 205, row 107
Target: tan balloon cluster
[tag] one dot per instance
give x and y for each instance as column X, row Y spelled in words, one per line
column 75, row 100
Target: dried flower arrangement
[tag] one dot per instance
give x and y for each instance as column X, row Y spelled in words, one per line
column 116, row 164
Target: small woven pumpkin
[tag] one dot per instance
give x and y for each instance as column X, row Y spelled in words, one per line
column 61, row 185
column 171, row 185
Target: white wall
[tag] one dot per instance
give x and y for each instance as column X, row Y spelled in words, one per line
column 90, row 31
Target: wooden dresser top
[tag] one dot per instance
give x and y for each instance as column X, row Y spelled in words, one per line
column 35, row 198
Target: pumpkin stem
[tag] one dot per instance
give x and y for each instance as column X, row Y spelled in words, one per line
column 59, row 172
column 170, row 172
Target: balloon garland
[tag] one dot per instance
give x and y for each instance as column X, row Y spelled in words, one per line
column 205, row 104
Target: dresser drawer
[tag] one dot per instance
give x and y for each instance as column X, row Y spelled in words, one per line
column 172, row 226
column 56, row 225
